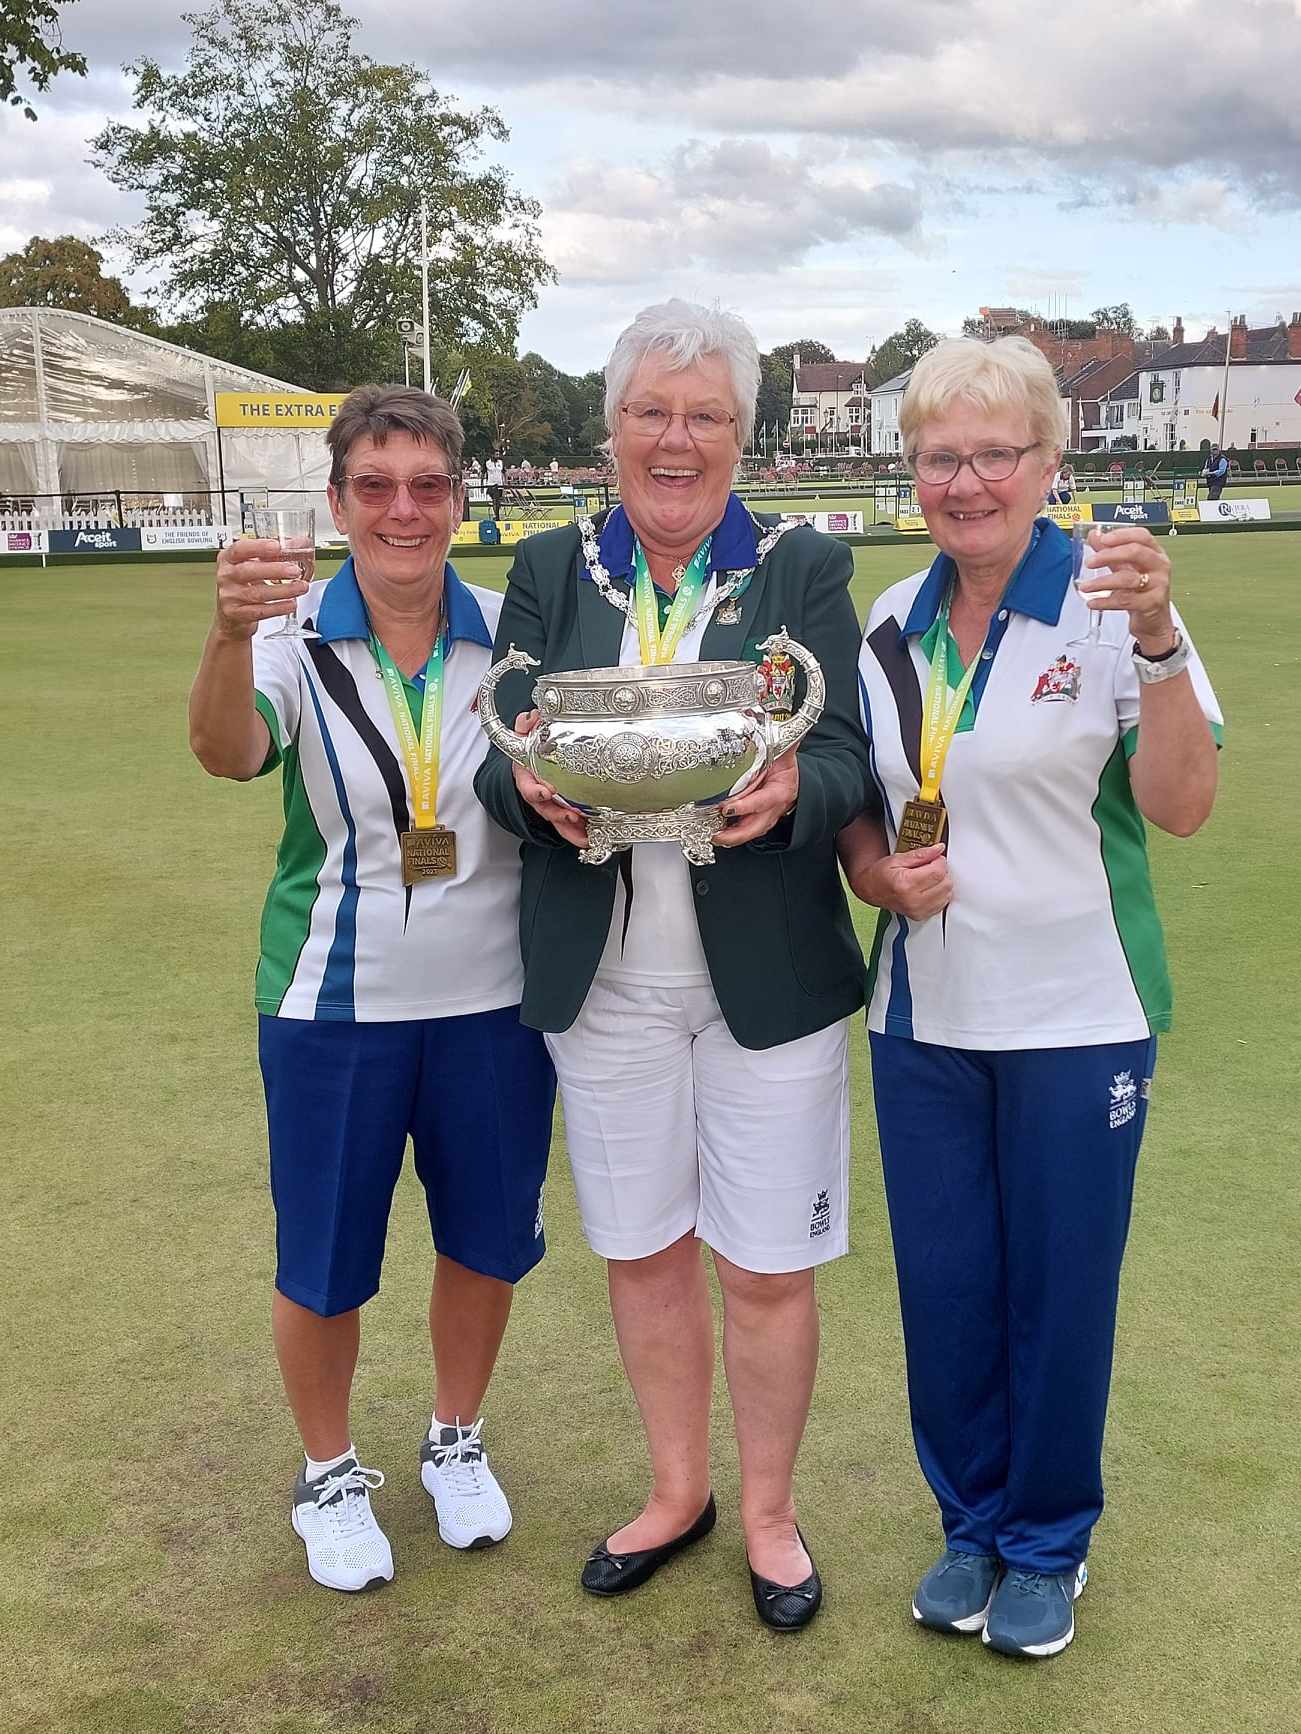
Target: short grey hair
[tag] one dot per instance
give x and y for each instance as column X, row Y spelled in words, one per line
column 376, row 411
column 1009, row 373
column 684, row 332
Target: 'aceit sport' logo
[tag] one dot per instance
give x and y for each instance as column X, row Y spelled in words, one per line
column 95, row 539
column 820, row 1221
column 1124, row 1100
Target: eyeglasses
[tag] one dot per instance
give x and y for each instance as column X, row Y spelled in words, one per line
column 433, row 488
column 649, row 421
column 991, row 464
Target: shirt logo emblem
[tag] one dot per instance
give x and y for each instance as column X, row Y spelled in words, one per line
column 1058, row 682
column 1124, row 1100
column 820, row 1222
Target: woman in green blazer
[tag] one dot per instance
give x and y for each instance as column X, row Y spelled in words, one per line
column 697, row 1016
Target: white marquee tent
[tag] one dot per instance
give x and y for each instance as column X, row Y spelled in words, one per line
column 88, row 408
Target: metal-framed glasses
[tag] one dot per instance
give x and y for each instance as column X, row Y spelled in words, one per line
column 652, row 421
column 991, row 463
column 432, row 488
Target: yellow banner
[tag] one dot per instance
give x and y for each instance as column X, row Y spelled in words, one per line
column 1185, row 515
column 1068, row 515
column 509, row 531
column 277, row 410
column 911, row 523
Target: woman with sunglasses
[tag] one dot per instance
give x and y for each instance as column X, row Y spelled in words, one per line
column 698, row 1017
column 389, row 980
column 1018, row 980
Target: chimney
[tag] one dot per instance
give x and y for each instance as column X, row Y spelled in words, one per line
column 1294, row 338
column 1238, row 338
column 1177, row 335
column 795, row 365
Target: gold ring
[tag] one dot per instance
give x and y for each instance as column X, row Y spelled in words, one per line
column 1143, row 580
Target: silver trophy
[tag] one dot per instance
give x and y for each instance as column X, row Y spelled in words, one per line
column 649, row 754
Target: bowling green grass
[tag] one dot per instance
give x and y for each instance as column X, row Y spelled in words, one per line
column 151, row 1580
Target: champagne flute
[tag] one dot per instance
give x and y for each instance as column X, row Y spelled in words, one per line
column 295, row 530
column 1082, row 574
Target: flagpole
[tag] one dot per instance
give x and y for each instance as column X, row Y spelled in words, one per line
column 424, row 282
column 1224, row 388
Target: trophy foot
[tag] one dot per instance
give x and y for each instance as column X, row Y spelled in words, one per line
column 691, row 828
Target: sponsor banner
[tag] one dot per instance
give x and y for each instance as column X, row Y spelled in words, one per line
column 179, row 536
column 830, row 523
column 94, row 542
column 272, row 410
column 22, row 541
column 1184, row 515
column 1133, row 512
column 1227, row 511
column 483, row 532
column 911, row 523
column 1068, row 515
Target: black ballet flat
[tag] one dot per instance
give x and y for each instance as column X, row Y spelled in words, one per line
column 614, row 1574
column 786, row 1607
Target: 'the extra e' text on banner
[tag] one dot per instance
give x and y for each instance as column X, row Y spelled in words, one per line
column 277, row 410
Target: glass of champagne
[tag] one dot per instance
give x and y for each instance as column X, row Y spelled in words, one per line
column 295, row 530
column 1082, row 574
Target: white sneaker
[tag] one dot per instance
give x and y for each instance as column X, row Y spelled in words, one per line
column 346, row 1548
column 472, row 1509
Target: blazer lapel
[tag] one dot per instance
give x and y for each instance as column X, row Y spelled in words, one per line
column 600, row 627
column 723, row 643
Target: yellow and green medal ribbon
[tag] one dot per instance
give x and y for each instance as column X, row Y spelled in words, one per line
column 941, row 714
column 658, row 645
column 419, row 752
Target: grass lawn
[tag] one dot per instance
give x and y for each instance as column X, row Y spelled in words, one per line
column 154, row 1583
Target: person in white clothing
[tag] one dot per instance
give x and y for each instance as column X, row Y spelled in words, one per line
column 1021, row 731
column 389, row 981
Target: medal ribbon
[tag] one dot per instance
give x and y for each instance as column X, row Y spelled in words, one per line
column 941, row 714
column 419, row 753
column 657, row 645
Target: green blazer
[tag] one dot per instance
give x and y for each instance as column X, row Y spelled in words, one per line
column 774, row 923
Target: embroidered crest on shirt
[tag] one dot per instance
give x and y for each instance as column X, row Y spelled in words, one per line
column 1124, row 1099
column 1058, row 682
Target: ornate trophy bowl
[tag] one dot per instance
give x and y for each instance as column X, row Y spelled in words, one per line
column 649, row 754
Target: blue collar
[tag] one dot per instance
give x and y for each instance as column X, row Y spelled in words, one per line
column 1037, row 587
column 735, row 546
column 343, row 614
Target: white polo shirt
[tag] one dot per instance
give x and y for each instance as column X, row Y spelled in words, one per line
column 1052, row 937
column 342, row 938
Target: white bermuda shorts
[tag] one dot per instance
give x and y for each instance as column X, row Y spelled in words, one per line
column 673, row 1127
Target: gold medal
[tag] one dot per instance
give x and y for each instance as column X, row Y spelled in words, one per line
column 429, row 853
column 921, row 824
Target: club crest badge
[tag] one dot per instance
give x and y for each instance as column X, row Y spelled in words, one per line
column 774, row 681
column 1124, row 1100
column 1058, row 682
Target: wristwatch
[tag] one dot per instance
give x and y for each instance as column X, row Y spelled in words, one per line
column 1151, row 669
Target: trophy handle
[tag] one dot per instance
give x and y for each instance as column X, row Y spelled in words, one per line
column 515, row 746
column 763, row 757
column 786, row 735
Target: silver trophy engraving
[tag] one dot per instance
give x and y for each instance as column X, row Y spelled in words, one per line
column 649, row 754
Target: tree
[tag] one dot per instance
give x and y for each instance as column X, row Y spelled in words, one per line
column 903, row 348
column 282, row 172
column 503, row 396
column 808, row 349
column 774, row 400
column 31, row 42
column 1158, row 334
column 68, row 273
column 1119, row 318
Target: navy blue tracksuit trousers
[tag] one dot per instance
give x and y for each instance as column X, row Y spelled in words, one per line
column 1009, row 1178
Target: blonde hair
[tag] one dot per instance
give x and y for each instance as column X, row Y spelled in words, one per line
column 1009, row 373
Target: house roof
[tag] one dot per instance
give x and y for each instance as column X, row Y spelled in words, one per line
column 829, row 375
column 899, row 381
column 1265, row 343
column 1128, row 387
column 1099, row 378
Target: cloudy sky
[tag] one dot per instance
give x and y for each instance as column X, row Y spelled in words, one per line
column 827, row 168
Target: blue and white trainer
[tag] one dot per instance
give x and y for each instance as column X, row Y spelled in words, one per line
column 346, row 1548
column 955, row 1594
column 1033, row 1612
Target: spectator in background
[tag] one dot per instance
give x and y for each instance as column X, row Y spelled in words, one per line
column 494, row 479
column 1216, row 471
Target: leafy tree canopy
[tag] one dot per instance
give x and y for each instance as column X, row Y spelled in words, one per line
column 282, row 172
column 68, row 273
column 31, row 46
